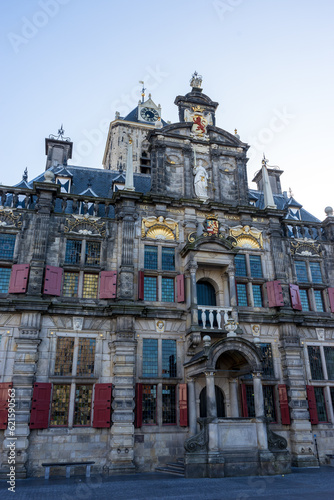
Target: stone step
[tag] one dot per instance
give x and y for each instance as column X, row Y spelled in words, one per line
column 173, row 467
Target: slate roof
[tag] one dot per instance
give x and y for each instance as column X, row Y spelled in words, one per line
column 283, row 203
column 97, row 180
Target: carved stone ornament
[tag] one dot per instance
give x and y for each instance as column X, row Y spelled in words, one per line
column 160, row 228
column 9, row 219
column 231, row 326
column 305, row 248
column 246, row 237
column 320, row 333
column 200, row 441
column 159, row 326
column 78, row 323
column 275, row 441
column 81, row 224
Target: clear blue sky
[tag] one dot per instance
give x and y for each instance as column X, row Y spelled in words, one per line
column 268, row 63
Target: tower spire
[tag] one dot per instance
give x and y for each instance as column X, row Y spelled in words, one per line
column 142, row 91
column 267, row 191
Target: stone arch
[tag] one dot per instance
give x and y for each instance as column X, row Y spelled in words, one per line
column 220, row 402
column 238, row 345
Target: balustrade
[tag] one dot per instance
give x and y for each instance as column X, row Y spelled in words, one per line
column 213, row 316
column 65, row 203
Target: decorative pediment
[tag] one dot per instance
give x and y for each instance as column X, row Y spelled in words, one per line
column 306, row 249
column 85, row 225
column 160, row 228
column 9, row 219
column 246, row 237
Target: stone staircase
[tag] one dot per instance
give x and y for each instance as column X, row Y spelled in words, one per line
column 173, row 467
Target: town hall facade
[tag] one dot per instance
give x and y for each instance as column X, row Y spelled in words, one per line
column 159, row 309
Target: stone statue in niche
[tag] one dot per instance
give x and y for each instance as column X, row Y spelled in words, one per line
column 200, row 181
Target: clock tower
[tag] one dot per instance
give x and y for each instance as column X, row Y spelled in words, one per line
column 148, row 111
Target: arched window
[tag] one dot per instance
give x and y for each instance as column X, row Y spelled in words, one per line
column 206, row 295
column 219, row 402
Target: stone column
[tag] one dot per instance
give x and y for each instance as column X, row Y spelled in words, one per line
column 26, row 356
column 301, row 438
column 258, row 395
column 192, row 406
column 122, row 431
column 262, row 438
column 194, row 311
column 233, row 383
column 211, row 404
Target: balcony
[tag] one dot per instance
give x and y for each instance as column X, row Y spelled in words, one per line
column 213, row 317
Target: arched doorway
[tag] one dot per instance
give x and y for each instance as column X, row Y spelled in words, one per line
column 206, row 296
column 219, row 402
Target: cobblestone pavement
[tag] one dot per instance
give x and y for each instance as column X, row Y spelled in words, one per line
column 305, row 484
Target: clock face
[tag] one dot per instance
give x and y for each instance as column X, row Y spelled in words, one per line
column 149, row 114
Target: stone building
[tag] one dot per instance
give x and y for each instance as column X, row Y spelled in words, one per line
column 159, row 308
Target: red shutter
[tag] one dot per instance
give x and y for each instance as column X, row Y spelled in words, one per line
column 141, row 285
column 40, row 406
column 108, row 282
column 53, row 280
column 4, row 387
column 139, row 405
column 271, row 294
column 284, row 404
column 312, row 406
column 331, row 298
column 295, row 297
column 275, row 294
column 102, row 405
column 19, row 278
column 180, row 288
column 244, row 400
column 183, row 405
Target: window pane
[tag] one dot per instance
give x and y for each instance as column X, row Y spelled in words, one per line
column 167, row 289
column 320, row 402
column 70, row 287
column 151, row 257
column 4, row 279
column 64, row 356
column 90, row 286
column 150, row 288
column 150, row 357
column 169, row 358
column 319, row 305
column 255, row 266
column 82, row 404
column 250, row 400
column 168, row 404
column 242, row 294
column 269, row 403
column 304, row 300
column 315, row 362
column 168, row 259
column 240, row 265
column 149, row 404
column 332, row 396
column 73, row 252
column 316, row 272
column 93, row 250
column 329, row 356
column 60, row 405
column 257, row 296
column 301, row 271
column 86, row 357
column 267, row 361
column 7, row 243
